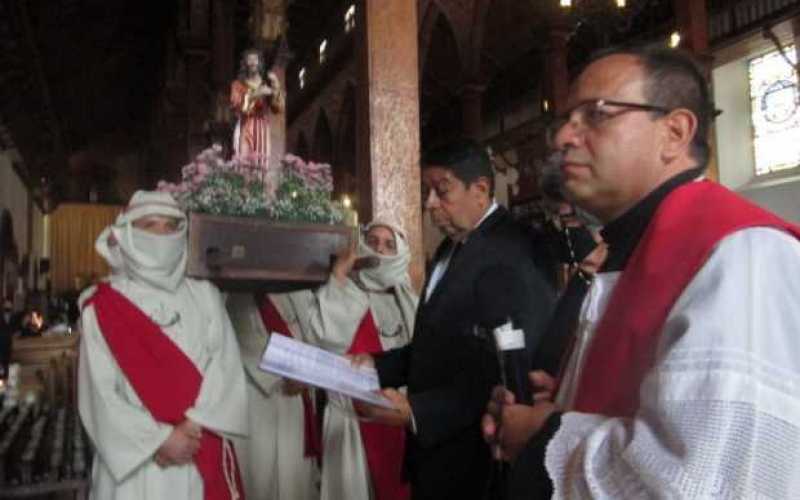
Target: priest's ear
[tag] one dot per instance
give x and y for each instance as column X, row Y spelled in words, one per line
column 680, row 127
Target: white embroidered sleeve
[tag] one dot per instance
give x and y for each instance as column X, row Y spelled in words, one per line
column 720, row 411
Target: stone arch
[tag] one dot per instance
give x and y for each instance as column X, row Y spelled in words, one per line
column 344, row 171
column 472, row 62
column 301, row 148
column 426, row 26
column 441, row 81
column 322, row 149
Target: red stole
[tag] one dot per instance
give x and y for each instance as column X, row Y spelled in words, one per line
column 274, row 323
column 684, row 231
column 384, row 445
column 164, row 378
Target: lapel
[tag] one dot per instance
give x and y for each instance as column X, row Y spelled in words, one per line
column 465, row 257
column 441, row 250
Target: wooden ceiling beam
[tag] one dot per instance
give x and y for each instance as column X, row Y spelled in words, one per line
column 59, row 146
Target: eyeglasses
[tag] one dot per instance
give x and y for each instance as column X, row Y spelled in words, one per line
column 592, row 114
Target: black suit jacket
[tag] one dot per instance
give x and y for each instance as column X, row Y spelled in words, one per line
column 449, row 370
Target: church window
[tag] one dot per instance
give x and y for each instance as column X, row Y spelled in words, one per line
column 323, row 54
column 350, row 19
column 774, row 111
column 301, row 78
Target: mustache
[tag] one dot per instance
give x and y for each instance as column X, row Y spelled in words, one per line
column 568, row 156
column 551, row 176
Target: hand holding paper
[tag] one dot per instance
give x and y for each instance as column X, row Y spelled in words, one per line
column 399, row 415
column 311, row 365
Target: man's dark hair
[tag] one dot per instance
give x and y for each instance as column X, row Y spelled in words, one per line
column 465, row 158
column 675, row 80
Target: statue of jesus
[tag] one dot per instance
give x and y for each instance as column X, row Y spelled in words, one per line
column 254, row 95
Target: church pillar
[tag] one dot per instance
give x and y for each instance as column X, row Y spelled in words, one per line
column 556, row 73
column 223, row 70
column 692, row 23
column 471, row 110
column 195, row 40
column 387, row 109
column 222, row 32
column 692, row 20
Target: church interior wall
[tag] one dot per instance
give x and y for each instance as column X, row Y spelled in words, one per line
column 734, row 134
column 330, row 98
column 14, row 197
column 733, row 128
column 28, row 220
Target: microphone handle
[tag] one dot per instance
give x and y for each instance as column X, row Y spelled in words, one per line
column 515, row 372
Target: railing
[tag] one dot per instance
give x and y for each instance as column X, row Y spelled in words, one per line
column 42, row 451
column 731, row 18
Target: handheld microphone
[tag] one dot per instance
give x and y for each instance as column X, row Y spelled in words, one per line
column 513, row 359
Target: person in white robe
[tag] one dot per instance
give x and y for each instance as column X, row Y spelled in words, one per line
column 340, row 306
column 138, row 457
column 710, row 398
column 273, row 458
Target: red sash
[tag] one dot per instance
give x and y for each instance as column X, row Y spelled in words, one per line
column 685, row 229
column 164, row 378
column 384, row 445
column 273, row 322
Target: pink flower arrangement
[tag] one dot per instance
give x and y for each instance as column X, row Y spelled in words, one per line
column 314, row 175
column 245, row 185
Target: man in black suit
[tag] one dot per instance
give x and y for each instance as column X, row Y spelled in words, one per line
column 483, row 275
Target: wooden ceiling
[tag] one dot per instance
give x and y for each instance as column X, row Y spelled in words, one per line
column 76, row 72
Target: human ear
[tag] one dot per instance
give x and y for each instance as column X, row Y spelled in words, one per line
column 481, row 186
column 680, row 127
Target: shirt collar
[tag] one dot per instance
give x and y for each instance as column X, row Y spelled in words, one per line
column 492, row 209
column 489, row 212
column 623, row 233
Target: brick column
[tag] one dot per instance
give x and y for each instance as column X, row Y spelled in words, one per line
column 556, row 73
column 387, row 119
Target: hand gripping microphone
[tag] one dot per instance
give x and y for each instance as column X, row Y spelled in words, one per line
column 513, row 359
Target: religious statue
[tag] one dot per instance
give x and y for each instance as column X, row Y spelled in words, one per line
column 255, row 94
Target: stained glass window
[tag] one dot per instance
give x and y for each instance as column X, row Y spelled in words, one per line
column 350, row 19
column 323, row 51
column 774, row 111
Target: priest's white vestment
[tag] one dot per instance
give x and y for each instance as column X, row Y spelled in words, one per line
column 719, row 413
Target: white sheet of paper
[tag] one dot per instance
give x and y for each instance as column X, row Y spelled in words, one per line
column 311, row 365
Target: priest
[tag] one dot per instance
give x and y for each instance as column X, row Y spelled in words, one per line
column 160, row 383
column 683, row 377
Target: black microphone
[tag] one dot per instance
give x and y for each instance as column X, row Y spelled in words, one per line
column 513, row 359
